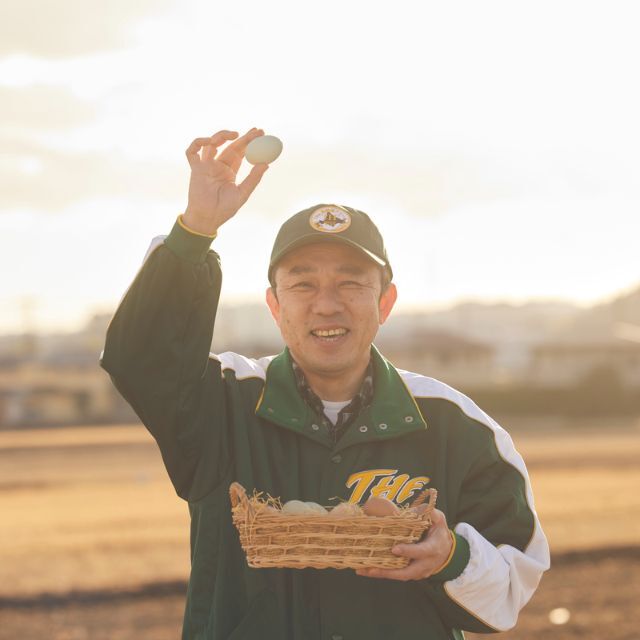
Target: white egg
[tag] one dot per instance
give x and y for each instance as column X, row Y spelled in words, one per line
column 263, row 149
column 316, row 508
column 295, row 507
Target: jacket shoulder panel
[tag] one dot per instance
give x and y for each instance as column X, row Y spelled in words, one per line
column 425, row 387
column 153, row 245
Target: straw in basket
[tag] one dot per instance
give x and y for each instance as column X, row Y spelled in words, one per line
column 273, row 539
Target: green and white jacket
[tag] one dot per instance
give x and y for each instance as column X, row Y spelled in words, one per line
column 220, row 418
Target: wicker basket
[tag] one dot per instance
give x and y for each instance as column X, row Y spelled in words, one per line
column 272, row 539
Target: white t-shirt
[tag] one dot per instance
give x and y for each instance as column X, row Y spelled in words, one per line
column 332, row 409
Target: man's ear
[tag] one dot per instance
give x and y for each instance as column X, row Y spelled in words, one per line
column 387, row 300
column 273, row 304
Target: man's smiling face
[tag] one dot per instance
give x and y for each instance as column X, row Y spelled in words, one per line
column 329, row 304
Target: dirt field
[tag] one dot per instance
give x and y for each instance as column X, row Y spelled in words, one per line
column 94, row 544
column 588, row 586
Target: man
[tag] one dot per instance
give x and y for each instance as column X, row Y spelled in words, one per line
column 327, row 417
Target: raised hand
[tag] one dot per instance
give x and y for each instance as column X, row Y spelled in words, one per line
column 214, row 196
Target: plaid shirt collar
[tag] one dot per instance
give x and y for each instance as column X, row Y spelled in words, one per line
column 360, row 401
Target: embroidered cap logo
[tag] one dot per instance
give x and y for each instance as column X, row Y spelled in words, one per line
column 330, row 219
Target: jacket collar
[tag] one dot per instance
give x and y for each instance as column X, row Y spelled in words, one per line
column 392, row 413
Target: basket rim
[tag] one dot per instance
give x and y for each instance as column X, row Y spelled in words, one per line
column 240, row 500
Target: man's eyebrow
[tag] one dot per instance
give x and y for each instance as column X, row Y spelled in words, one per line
column 299, row 269
column 350, row 269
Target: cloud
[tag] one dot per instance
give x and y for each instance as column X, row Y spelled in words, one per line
column 34, row 177
column 54, row 29
column 420, row 184
column 38, row 108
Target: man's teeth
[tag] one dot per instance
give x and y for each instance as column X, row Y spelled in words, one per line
column 328, row 333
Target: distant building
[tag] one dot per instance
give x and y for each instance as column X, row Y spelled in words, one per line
column 56, row 379
column 448, row 357
column 566, row 365
column 32, row 394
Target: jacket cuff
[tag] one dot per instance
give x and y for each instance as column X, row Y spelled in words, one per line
column 456, row 562
column 188, row 244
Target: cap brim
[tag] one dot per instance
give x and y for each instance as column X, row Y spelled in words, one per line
column 312, row 238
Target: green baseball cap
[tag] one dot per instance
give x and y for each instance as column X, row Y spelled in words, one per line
column 330, row 223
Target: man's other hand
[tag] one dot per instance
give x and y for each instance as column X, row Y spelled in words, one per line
column 425, row 557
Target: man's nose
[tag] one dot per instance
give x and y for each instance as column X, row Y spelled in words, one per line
column 327, row 301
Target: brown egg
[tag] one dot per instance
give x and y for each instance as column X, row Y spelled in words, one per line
column 377, row 506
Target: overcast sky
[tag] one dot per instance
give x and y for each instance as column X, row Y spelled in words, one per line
column 494, row 143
